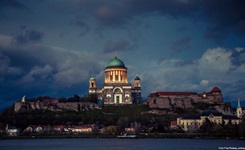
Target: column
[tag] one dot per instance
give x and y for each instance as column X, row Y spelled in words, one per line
column 119, row 76
column 113, row 76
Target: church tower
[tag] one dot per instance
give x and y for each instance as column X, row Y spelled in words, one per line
column 92, row 85
column 137, row 82
column 136, row 94
column 239, row 109
column 116, row 89
column 23, row 100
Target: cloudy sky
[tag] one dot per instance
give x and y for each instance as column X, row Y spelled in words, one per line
column 52, row 47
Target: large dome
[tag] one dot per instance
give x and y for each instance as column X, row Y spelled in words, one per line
column 114, row 63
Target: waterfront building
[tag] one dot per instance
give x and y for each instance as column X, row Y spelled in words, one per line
column 193, row 123
column 116, row 89
column 11, row 130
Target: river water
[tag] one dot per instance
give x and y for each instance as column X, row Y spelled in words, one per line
column 120, row 144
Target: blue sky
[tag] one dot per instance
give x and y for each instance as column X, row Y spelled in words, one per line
column 52, row 47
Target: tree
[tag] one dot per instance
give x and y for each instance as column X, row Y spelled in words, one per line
column 160, row 128
column 207, row 126
column 76, row 98
column 91, row 98
column 218, row 129
column 122, row 123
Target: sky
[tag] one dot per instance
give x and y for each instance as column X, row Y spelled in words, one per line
column 53, row 47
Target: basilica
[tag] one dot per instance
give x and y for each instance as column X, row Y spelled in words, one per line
column 116, row 89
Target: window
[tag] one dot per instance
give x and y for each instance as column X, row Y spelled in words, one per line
column 155, row 101
column 117, row 90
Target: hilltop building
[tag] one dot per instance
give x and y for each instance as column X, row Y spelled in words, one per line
column 183, row 99
column 116, row 88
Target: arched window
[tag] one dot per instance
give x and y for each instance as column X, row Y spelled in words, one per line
column 117, row 90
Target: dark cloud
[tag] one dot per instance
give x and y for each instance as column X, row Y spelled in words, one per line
column 10, row 4
column 181, row 44
column 80, row 22
column 222, row 17
column 216, row 33
column 175, row 8
column 28, row 35
column 6, row 70
column 117, row 45
column 110, row 13
column 238, row 56
column 181, row 29
column 224, row 13
column 240, row 28
column 160, row 61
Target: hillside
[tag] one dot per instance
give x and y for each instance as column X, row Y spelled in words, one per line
column 108, row 115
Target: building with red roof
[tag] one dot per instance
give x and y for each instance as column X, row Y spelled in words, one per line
column 164, row 99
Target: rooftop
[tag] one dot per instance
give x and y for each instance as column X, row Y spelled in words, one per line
column 115, row 62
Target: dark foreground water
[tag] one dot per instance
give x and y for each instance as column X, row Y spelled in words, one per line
column 120, row 144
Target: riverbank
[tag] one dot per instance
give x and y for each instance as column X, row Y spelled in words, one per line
column 142, row 135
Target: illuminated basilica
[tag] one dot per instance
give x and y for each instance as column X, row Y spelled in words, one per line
column 116, row 89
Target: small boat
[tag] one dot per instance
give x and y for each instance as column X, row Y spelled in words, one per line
column 126, row 136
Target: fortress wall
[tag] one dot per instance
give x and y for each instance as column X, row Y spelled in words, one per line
column 159, row 102
column 74, row 106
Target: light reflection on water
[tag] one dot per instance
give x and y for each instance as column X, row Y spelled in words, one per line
column 118, row 144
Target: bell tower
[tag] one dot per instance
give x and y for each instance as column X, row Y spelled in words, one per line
column 136, row 94
column 92, row 85
column 239, row 109
column 137, row 83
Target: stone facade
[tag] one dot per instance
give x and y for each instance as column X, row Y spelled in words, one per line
column 58, row 106
column 183, row 100
column 116, row 89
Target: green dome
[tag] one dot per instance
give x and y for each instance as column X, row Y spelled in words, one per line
column 115, row 63
column 92, row 78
